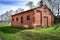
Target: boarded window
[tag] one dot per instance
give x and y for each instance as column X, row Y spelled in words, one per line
column 34, row 19
column 21, row 20
column 16, row 19
column 12, row 19
column 28, row 17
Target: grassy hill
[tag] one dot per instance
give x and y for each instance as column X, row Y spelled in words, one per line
column 7, row 32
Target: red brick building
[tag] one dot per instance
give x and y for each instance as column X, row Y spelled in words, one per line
column 41, row 16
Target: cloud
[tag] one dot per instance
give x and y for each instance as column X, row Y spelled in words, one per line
column 5, row 8
column 13, row 5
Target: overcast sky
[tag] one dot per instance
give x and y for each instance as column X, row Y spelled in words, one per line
column 13, row 5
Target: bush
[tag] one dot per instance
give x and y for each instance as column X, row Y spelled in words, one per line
column 28, row 35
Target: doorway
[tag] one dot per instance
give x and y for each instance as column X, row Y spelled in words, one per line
column 45, row 21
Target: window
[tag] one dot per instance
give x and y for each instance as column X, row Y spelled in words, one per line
column 21, row 19
column 12, row 19
column 34, row 19
column 16, row 19
column 45, row 9
column 28, row 17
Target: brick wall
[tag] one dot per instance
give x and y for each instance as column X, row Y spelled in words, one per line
column 39, row 17
column 26, row 23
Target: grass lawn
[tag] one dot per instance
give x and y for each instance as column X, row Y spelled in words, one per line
column 7, row 32
column 10, row 33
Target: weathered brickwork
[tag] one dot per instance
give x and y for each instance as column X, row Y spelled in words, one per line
column 38, row 17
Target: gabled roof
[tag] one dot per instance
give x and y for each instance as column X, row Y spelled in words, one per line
column 32, row 10
column 25, row 11
column 49, row 10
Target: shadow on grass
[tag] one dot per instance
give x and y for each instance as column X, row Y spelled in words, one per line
column 9, row 29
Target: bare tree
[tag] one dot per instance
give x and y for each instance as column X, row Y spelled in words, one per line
column 30, row 4
column 6, row 16
column 19, row 10
column 56, row 5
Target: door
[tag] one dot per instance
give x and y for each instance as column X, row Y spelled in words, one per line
column 45, row 21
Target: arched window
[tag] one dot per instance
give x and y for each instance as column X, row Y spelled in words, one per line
column 38, row 11
column 17, row 19
column 21, row 20
column 45, row 9
column 28, row 17
column 12, row 19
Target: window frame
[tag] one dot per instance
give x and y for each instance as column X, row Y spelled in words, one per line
column 28, row 17
column 21, row 20
column 45, row 9
column 12, row 19
column 17, row 19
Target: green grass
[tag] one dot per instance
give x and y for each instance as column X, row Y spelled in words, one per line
column 10, row 33
column 7, row 32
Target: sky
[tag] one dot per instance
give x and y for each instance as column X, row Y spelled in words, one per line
column 6, row 5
